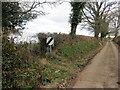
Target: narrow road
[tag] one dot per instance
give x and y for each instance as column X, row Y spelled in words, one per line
column 103, row 70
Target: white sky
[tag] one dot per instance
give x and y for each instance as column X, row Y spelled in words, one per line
column 56, row 21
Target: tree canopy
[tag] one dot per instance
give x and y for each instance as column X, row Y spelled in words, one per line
column 17, row 14
column 13, row 15
column 97, row 14
column 76, row 15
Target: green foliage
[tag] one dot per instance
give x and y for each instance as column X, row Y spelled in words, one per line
column 18, row 66
column 52, row 74
column 22, row 78
column 35, row 49
column 8, row 54
column 14, row 56
column 25, row 66
column 27, row 87
column 42, row 43
column 76, row 15
column 23, row 70
column 13, row 15
column 78, row 64
column 54, row 87
column 35, row 64
column 53, row 58
column 50, row 56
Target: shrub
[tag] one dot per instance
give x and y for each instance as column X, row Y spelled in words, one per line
column 16, row 58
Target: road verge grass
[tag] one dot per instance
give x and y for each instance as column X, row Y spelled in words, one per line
column 70, row 58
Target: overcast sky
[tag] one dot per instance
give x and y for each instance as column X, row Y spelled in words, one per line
column 55, row 21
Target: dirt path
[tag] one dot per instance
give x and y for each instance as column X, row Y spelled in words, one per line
column 103, row 70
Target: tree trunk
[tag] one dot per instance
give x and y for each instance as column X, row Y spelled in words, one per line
column 73, row 29
column 96, row 34
column 116, row 34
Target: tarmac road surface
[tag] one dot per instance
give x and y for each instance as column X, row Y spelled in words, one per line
column 103, row 70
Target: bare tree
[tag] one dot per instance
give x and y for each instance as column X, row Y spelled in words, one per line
column 32, row 6
column 115, row 21
column 97, row 16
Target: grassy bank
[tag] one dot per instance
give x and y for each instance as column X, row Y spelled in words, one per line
column 27, row 69
column 117, row 40
column 71, row 58
column 78, row 50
